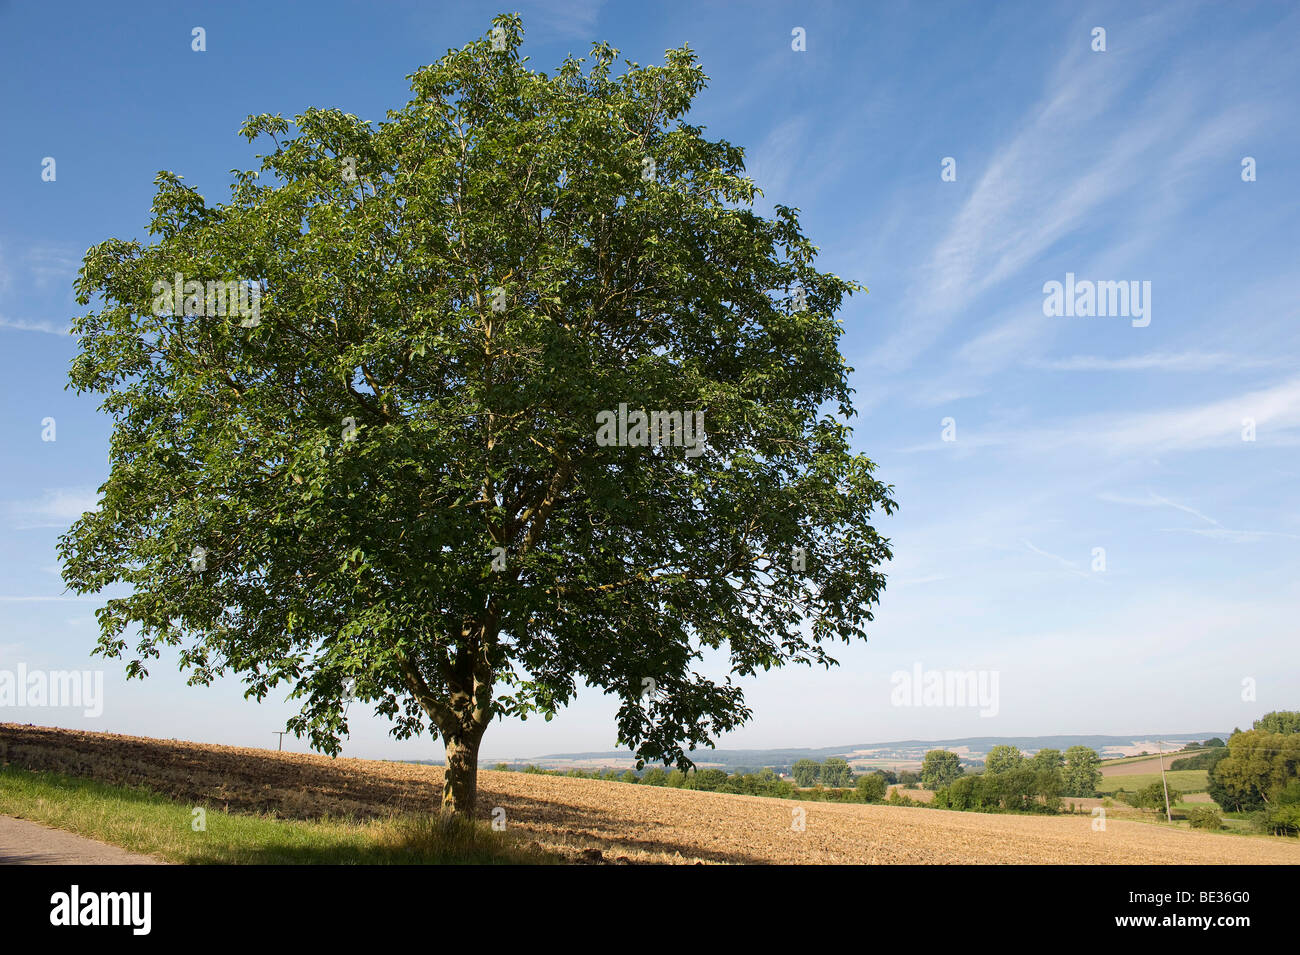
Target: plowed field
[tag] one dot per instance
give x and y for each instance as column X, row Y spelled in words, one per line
column 590, row 820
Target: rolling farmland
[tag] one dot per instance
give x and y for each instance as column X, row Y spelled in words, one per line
column 588, row 820
column 1184, row 780
column 1146, row 764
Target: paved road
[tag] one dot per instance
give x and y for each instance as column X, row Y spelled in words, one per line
column 27, row 843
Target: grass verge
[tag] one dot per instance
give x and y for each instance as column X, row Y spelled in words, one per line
column 143, row 821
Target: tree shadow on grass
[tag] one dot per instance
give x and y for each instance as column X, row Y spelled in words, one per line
column 408, row 841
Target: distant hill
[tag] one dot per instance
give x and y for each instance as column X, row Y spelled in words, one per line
column 900, row 753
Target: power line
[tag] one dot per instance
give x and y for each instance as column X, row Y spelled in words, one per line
column 1168, row 811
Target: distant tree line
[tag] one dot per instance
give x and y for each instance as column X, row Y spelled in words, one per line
column 1009, row 782
column 870, row 787
column 1012, row 782
column 834, row 773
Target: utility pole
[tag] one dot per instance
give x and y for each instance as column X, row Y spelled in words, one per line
column 1169, row 816
column 280, row 748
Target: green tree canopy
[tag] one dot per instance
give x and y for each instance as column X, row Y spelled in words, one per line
column 1152, row 796
column 1049, row 759
column 399, row 479
column 708, row 780
column 657, row 776
column 940, row 768
column 1082, row 774
column 1282, row 817
column 806, row 772
column 1015, row 787
column 872, row 787
column 1049, row 783
column 1003, row 758
column 1279, row 721
column 1259, row 764
column 836, row 772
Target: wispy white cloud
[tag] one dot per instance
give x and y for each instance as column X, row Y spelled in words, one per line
column 1215, row 531
column 49, row 328
column 774, row 163
column 48, row 262
column 55, row 508
column 1155, row 500
column 1181, row 361
column 1033, row 196
column 573, row 20
column 1274, row 411
column 1069, row 565
column 40, row 599
column 1232, row 536
column 1009, row 220
column 1215, row 423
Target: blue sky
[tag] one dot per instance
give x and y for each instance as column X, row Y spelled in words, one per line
column 1072, row 433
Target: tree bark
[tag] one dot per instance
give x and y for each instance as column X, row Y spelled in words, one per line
column 460, row 780
column 461, row 714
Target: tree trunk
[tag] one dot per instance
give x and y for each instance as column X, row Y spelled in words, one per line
column 460, row 781
column 461, row 714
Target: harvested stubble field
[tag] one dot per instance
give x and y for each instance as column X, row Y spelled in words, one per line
column 589, row 820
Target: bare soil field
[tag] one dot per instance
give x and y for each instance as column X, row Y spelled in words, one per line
column 596, row 821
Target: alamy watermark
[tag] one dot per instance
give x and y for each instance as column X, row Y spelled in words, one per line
column 239, row 299
column 128, row 909
column 641, row 429
column 1088, row 299
column 70, row 688
column 920, row 687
